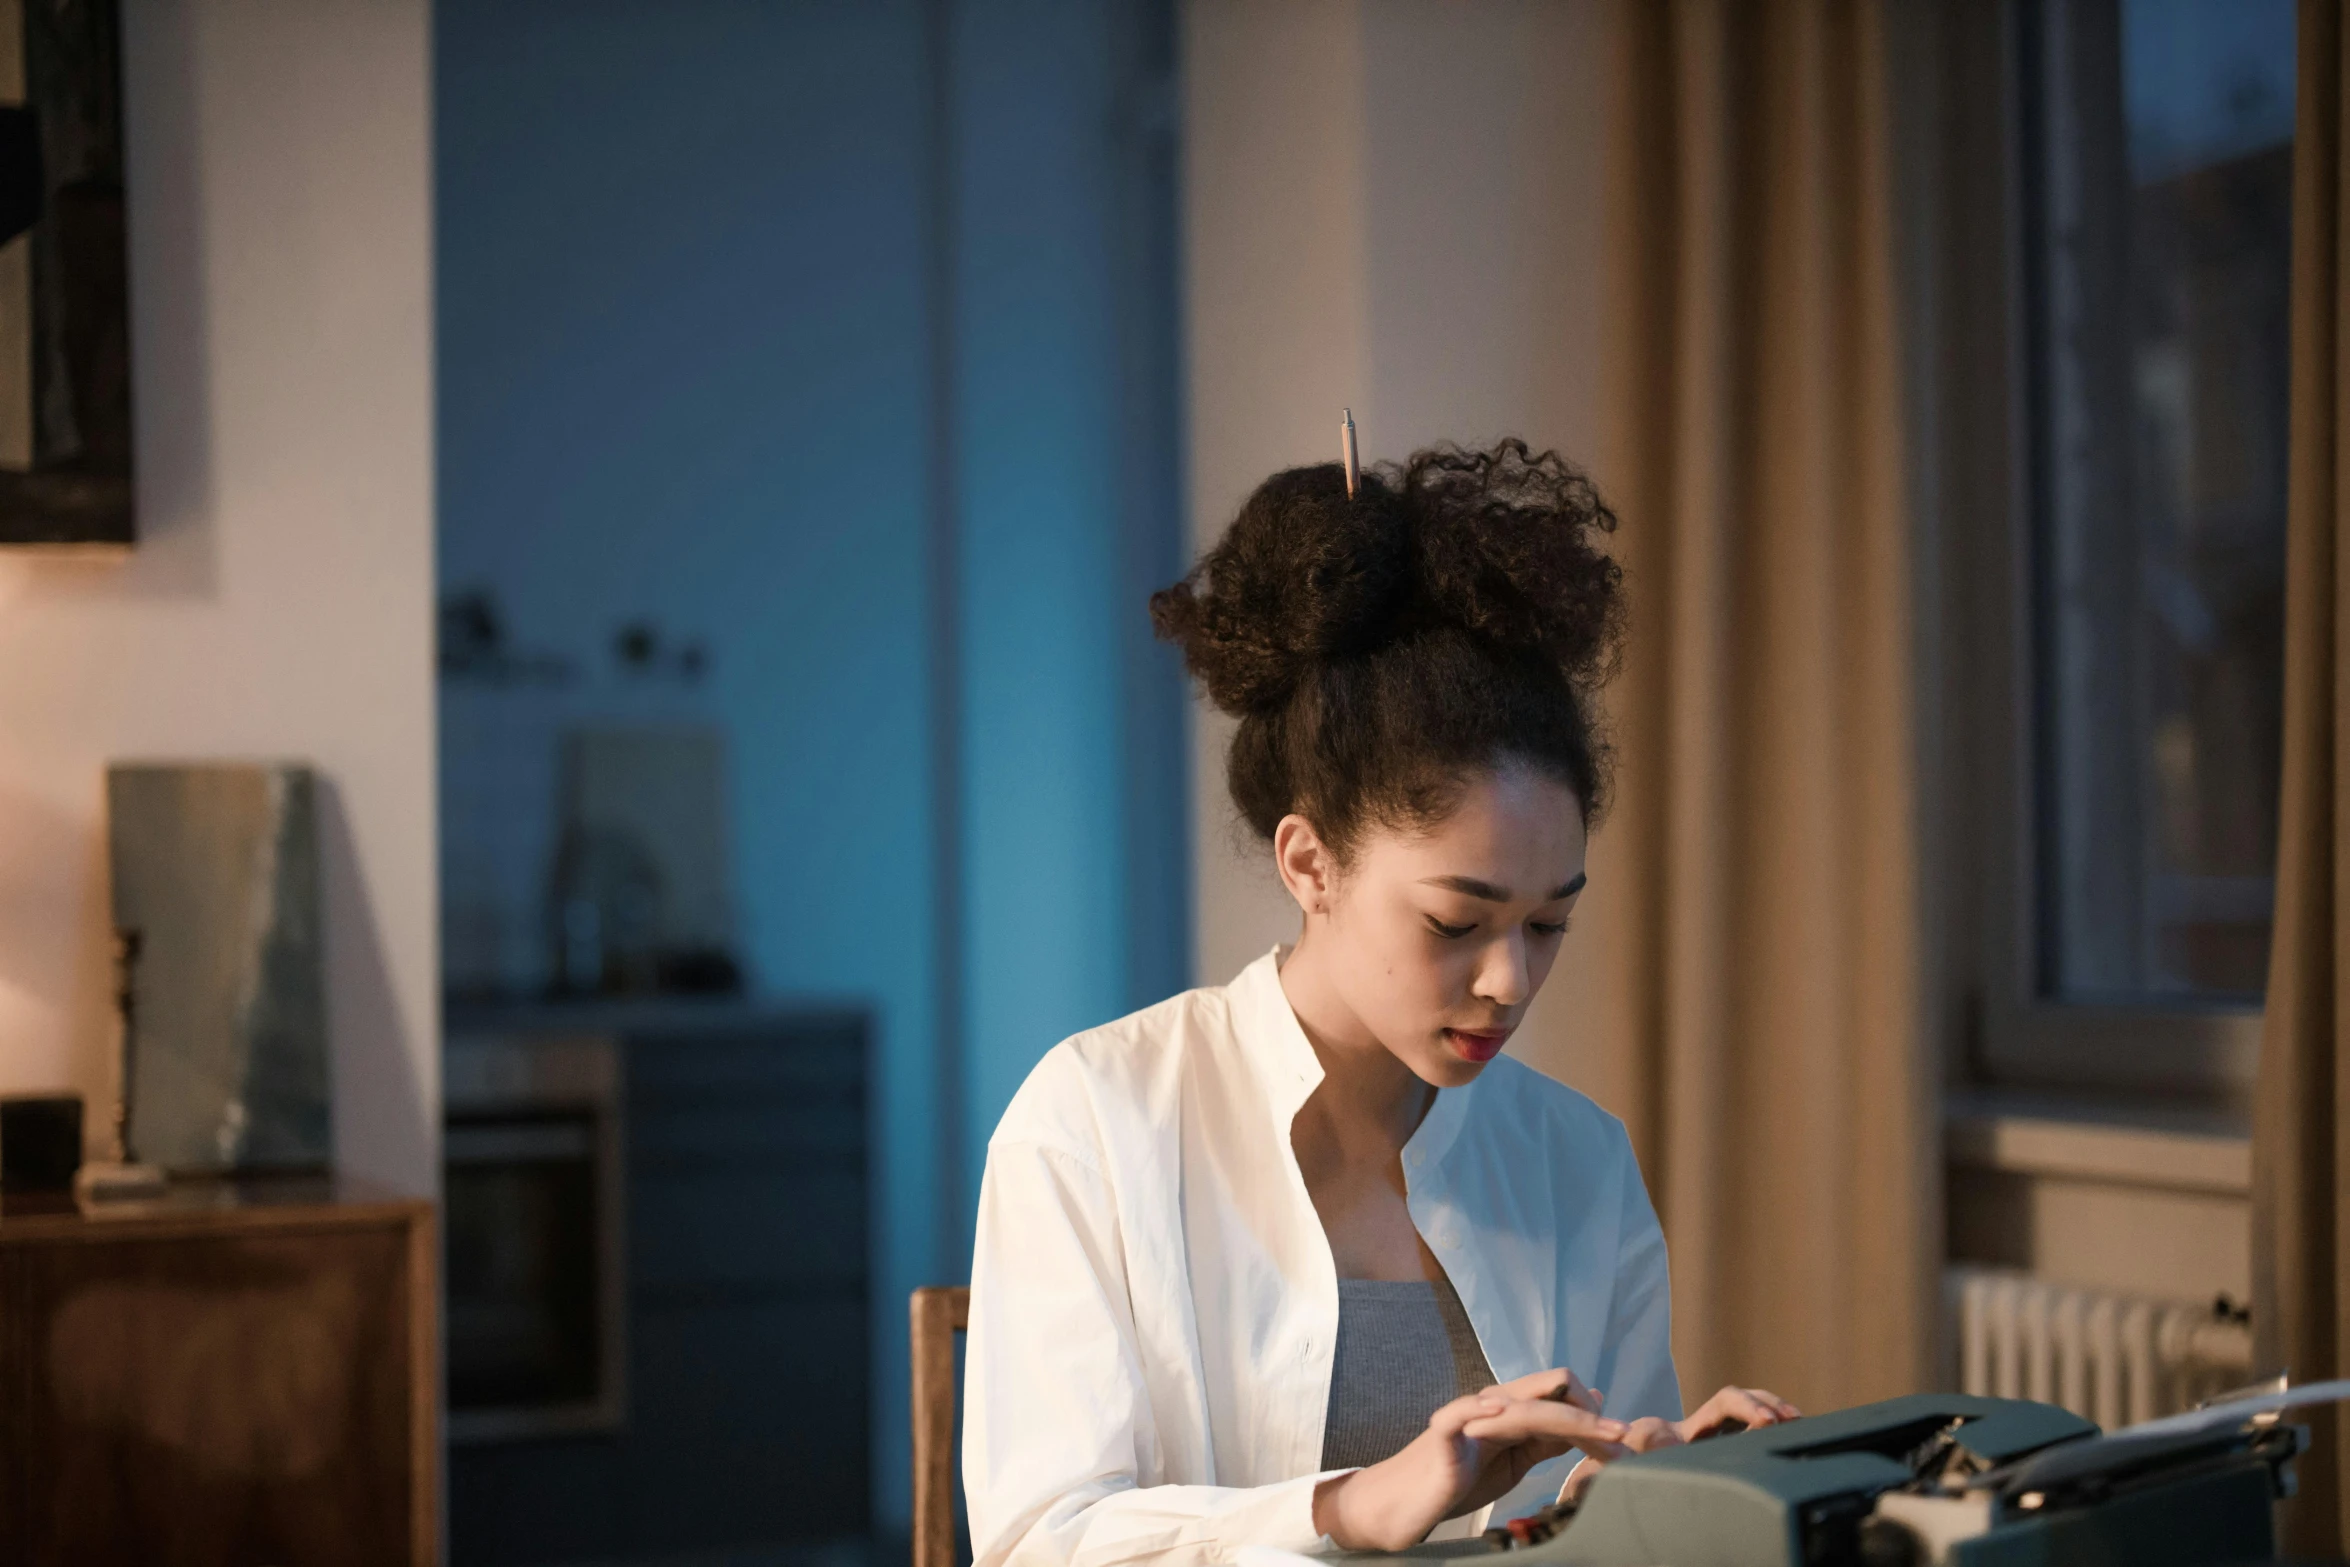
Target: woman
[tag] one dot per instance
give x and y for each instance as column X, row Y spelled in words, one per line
column 1303, row 1261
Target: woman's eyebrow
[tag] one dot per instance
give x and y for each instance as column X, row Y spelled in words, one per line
column 1492, row 894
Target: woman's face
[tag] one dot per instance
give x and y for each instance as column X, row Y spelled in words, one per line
column 1439, row 939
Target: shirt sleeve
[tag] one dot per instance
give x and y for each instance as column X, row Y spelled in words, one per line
column 1058, row 1435
column 1636, row 1360
column 1636, row 1357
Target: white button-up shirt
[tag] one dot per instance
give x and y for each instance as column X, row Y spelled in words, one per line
column 1154, row 1305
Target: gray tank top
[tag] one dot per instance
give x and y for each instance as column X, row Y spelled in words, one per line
column 1405, row 1348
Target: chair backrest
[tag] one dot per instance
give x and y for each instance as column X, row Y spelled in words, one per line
column 938, row 1315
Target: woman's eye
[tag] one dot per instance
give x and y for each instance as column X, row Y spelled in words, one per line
column 1448, row 932
column 1542, row 929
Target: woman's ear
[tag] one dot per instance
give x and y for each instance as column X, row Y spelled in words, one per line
column 1308, row 869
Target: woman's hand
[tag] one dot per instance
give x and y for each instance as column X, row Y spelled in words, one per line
column 1750, row 1406
column 1473, row 1451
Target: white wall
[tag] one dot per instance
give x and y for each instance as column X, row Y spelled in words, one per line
column 279, row 603
column 1277, row 315
column 1394, row 205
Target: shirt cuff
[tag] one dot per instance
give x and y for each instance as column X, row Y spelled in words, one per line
column 1293, row 1519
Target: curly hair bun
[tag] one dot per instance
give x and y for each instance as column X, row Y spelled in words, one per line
column 1382, row 647
column 1501, row 544
column 1509, row 552
column 1304, row 575
column 1408, row 609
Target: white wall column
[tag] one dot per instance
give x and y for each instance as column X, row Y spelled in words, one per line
column 279, row 603
column 1393, row 205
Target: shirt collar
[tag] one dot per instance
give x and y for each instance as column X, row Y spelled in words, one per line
column 1272, row 1041
column 1275, row 1047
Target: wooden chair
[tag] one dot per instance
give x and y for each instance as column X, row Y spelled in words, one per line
column 938, row 1315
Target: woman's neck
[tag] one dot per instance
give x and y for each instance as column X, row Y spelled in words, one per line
column 1370, row 1100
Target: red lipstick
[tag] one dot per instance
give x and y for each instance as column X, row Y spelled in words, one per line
column 1477, row 1044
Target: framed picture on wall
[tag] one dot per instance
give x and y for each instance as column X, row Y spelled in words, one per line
column 65, row 383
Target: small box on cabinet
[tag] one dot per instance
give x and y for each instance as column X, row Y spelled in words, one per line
column 40, row 1141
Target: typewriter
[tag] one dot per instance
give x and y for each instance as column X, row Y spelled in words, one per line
column 1931, row 1480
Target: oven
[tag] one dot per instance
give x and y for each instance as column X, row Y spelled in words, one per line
column 534, row 1263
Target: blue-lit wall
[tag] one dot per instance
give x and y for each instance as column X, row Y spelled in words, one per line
column 842, row 336
column 1075, row 788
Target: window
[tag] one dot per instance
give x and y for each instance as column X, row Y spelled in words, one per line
column 2159, row 139
column 2105, row 238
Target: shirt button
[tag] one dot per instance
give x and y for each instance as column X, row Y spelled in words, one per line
column 1416, row 1156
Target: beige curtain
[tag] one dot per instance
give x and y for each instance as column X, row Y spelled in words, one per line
column 1759, row 953
column 2301, row 1117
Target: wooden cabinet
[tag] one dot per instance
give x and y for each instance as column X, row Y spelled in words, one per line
column 234, row 1376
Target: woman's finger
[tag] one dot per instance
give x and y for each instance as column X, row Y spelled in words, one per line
column 1557, row 1382
column 1772, row 1400
column 1737, row 1403
column 1540, row 1449
column 1651, row 1432
column 1528, row 1419
column 1545, row 1420
column 1449, row 1418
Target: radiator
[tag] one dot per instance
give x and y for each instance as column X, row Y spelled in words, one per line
column 2114, row 1359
